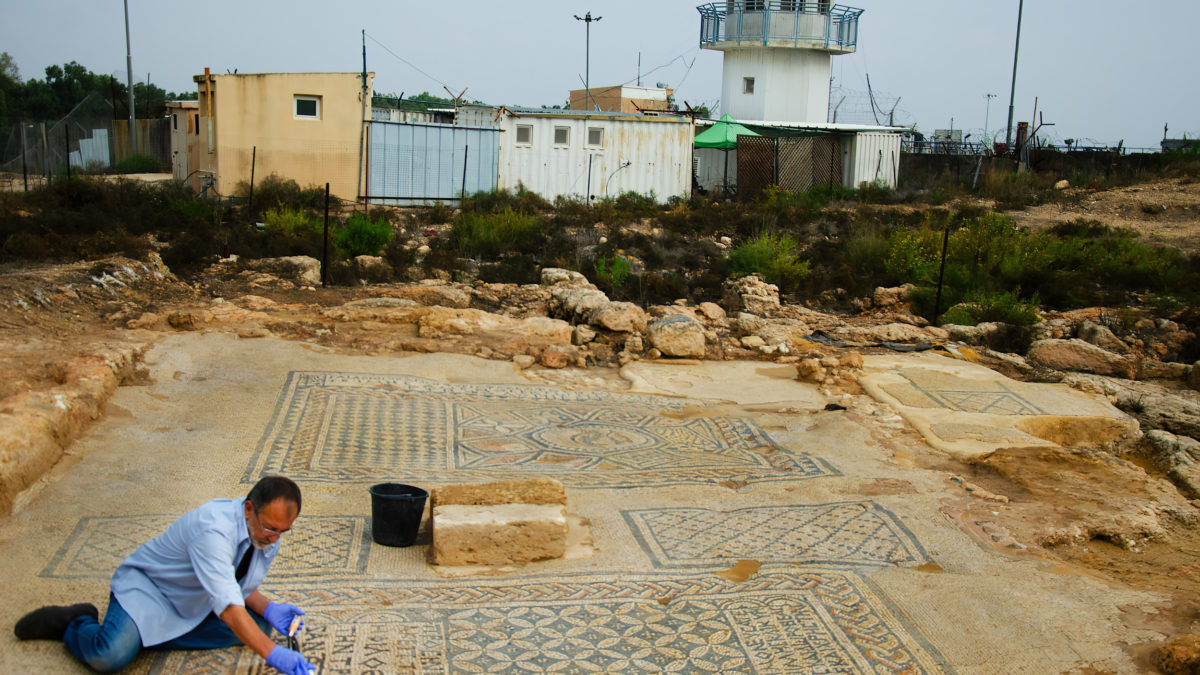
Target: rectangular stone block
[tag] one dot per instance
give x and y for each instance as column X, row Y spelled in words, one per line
column 499, row 534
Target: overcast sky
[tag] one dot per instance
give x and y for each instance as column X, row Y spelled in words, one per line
column 1104, row 70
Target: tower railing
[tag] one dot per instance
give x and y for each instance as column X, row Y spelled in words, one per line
column 814, row 24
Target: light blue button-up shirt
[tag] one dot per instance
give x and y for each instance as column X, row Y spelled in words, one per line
column 172, row 582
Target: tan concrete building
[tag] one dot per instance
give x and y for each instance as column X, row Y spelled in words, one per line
column 304, row 126
column 622, row 98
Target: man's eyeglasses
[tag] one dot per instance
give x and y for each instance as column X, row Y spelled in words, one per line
column 277, row 533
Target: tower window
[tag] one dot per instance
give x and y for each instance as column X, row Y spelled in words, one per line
column 307, row 107
column 747, row 85
column 524, row 134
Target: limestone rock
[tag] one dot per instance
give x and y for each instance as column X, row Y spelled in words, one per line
column 635, row 344
column 1102, row 337
column 749, row 323
column 1062, row 184
column 300, row 268
column 189, row 320
column 753, row 342
column 556, row 276
column 256, row 303
column 555, row 356
column 1078, row 355
column 622, row 317
column 524, row 361
column 1180, row 656
column 439, row 295
column 712, row 311
column 890, row 297
column 677, row 335
column 582, row 335
column 1157, row 370
column 146, row 320
column 751, row 294
column 891, row 332
column 371, row 265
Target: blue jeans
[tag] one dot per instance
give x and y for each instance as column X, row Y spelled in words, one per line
column 110, row 646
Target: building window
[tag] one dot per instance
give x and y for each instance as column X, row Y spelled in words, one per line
column 174, row 121
column 524, row 134
column 197, row 120
column 595, row 136
column 747, row 85
column 562, row 136
column 307, row 107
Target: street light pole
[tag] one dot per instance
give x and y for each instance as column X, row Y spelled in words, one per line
column 1013, row 94
column 587, row 67
column 987, row 116
column 129, row 67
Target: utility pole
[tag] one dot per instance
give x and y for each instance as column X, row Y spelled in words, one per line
column 362, row 131
column 129, row 69
column 987, row 116
column 1012, row 97
column 587, row 84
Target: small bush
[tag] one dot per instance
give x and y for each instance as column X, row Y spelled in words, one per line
column 522, row 201
column 362, row 236
column 138, row 164
column 1006, row 307
column 491, row 234
column 612, row 272
column 773, row 255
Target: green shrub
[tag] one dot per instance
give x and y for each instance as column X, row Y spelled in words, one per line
column 773, row 255
column 522, row 201
column 614, row 271
column 362, row 236
column 138, row 164
column 289, row 220
column 1012, row 191
column 1006, row 307
column 489, row 235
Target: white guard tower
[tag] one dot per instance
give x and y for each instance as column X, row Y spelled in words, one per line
column 777, row 52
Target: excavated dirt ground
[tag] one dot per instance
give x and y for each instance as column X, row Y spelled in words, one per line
column 1165, row 212
column 52, row 314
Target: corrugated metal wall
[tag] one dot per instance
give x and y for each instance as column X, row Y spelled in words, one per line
column 872, row 158
column 634, row 156
column 417, row 163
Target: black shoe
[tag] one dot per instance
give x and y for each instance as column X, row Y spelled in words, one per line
column 50, row 623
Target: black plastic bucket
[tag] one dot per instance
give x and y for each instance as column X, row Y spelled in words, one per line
column 396, row 513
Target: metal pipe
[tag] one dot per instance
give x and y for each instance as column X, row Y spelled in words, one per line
column 325, row 242
column 24, row 162
column 129, row 68
column 253, row 161
column 1012, row 96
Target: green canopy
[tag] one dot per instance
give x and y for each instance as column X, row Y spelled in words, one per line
column 723, row 134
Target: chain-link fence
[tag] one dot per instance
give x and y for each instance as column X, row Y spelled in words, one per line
column 795, row 163
column 87, row 139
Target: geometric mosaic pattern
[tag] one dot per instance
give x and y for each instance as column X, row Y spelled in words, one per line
column 316, row 546
column 779, row 621
column 349, row 426
column 848, row 533
column 998, row 401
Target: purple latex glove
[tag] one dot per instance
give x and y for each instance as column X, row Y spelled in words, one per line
column 279, row 615
column 289, row 662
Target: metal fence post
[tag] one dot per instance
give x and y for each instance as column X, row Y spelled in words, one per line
column 67, row 143
column 250, row 199
column 463, row 194
column 45, row 154
column 937, row 304
column 24, row 161
column 325, row 243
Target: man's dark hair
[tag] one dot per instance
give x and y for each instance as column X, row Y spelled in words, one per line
column 270, row 488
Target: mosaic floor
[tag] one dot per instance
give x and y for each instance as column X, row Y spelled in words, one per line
column 811, row 608
column 354, row 427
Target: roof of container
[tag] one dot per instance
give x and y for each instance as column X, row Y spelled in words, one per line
column 657, row 115
column 814, row 126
